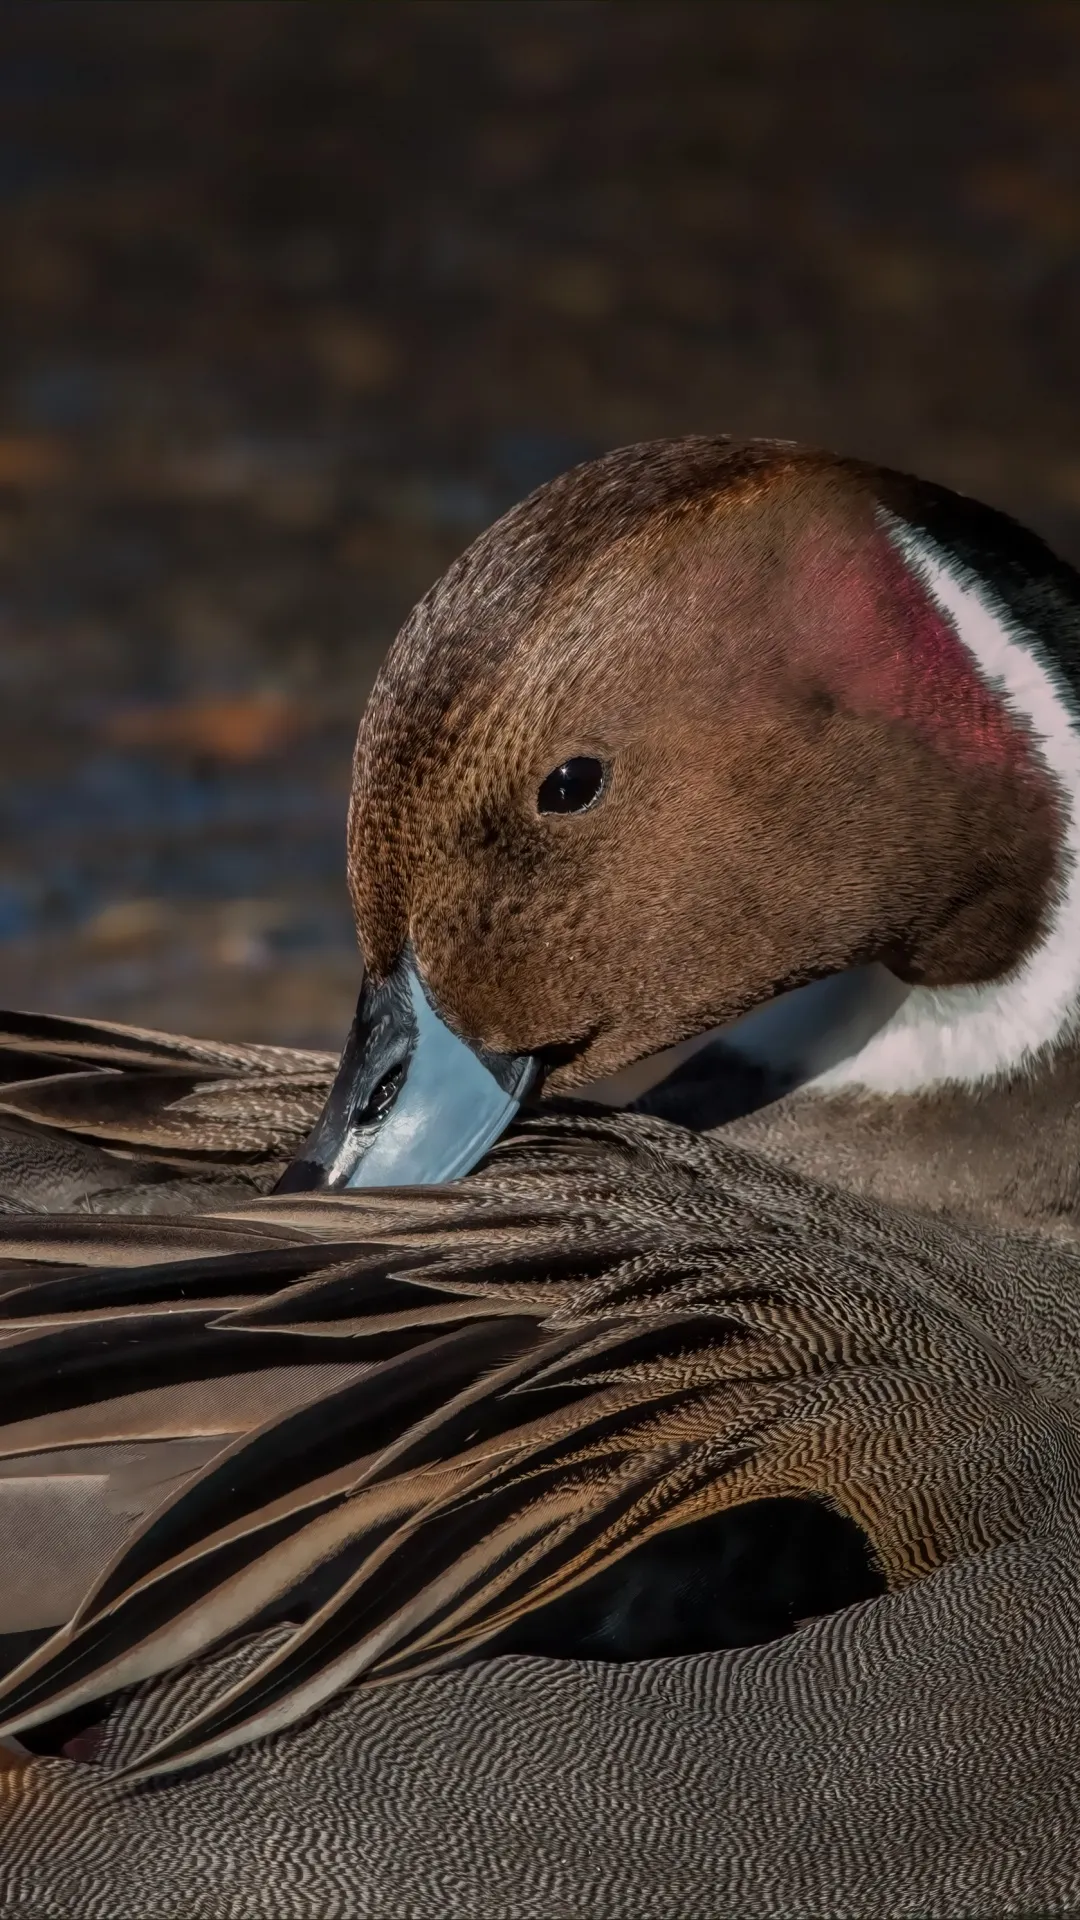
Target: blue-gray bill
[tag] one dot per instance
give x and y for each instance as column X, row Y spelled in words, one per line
column 412, row 1104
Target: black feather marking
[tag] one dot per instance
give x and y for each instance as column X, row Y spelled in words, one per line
column 203, row 1278
column 80, row 1365
column 155, row 1581
column 354, row 1422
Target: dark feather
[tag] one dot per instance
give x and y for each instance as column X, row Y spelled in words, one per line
column 111, row 1119
column 618, row 1360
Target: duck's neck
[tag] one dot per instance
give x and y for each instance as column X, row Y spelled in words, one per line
column 862, row 1031
column 1004, row 1155
column 960, row 1097
column 970, row 1036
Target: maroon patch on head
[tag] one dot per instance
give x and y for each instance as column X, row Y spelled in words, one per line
column 894, row 653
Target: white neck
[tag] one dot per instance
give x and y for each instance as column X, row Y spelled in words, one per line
column 967, row 1036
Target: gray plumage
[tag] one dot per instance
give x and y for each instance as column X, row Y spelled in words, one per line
column 914, row 1755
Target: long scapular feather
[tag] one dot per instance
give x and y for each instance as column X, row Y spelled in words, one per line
column 464, row 1405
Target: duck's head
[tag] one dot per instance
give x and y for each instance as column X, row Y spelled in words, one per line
column 697, row 724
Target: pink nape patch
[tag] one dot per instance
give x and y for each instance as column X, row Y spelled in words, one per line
column 893, row 652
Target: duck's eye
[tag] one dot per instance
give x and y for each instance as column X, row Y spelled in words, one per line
column 573, row 787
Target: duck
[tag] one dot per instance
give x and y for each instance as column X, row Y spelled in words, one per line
column 742, row 743
column 488, row 1359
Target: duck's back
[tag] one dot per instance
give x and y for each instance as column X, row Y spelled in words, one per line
column 1005, row 1157
column 915, row 1757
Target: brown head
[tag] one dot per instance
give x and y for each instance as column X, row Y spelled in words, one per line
column 784, row 759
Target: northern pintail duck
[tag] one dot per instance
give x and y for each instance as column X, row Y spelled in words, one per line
column 697, row 726
column 694, row 729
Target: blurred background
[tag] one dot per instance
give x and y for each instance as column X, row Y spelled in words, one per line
column 295, row 297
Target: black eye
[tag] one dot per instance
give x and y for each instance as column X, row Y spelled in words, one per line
column 571, row 788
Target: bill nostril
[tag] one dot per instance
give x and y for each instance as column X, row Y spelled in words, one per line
column 369, row 1112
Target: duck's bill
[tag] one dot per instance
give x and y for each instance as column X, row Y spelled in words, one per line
column 413, row 1104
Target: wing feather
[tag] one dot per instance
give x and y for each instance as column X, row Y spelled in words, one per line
column 609, row 1333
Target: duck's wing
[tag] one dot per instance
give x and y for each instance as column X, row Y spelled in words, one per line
column 108, row 1118
column 614, row 1332
column 115, row 1386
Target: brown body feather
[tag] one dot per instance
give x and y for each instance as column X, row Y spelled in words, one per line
column 108, row 1119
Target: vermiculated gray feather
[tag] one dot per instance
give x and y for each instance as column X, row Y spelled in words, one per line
column 747, row 1332
column 916, row 1757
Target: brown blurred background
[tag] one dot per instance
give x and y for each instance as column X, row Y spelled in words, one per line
column 296, row 296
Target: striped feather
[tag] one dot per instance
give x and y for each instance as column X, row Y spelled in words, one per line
column 612, row 1332
column 111, row 1119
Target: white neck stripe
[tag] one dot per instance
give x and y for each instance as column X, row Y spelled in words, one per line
column 970, row 1035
